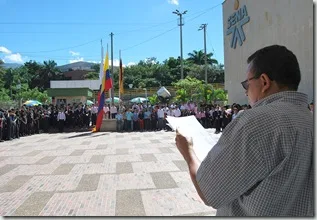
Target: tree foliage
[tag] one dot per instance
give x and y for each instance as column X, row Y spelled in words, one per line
column 92, row 75
column 153, row 99
column 198, row 58
column 35, row 77
column 192, row 89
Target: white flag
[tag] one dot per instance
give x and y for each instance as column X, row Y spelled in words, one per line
column 101, row 66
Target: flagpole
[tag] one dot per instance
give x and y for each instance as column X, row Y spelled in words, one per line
column 109, row 92
column 101, row 64
column 112, row 89
column 120, row 80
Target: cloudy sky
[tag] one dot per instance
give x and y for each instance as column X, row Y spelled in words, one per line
column 68, row 32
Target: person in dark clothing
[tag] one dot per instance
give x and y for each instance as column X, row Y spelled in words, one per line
column 154, row 120
column 36, row 127
column 1, row 125
column 225, row 118
column 23, row 123
column 218, row 120
column 141, row 120
column 46, row 122
column 87, row 116
column 8, row 126
column 17, row 124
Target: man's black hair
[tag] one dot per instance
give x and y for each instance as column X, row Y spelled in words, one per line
column 280, row 65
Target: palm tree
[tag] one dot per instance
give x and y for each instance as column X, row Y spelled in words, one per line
column 50, row 69
column 198, row 57
column 49, row 72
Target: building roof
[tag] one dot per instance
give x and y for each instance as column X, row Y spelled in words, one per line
column 58, row 92
column 91, row 84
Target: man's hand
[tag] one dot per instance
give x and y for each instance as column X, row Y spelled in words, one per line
column 184, row 145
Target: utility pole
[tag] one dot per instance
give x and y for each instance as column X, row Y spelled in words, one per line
column 180, row 14
column 204, row 27
column 112, row 89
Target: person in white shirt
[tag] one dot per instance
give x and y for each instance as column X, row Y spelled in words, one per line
column 113, row 111
column 183, row 108
column 166, row 110
column 169, row 112
column 61, row 118
column 235, row 112
column 160, row 116
column 106, row 111
column 135, row 106
column 177, row 112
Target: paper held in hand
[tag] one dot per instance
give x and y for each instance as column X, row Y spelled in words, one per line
column 190, row 127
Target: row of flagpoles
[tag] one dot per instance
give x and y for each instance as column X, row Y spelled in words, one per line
column 106, row 85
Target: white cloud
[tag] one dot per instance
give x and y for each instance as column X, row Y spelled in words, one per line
column 92, row 61
column 74, row 53
column 77, row 59
column 131, row 64
column 173, row 2
column 5, row 50
column 115, row 63
column 13, row 58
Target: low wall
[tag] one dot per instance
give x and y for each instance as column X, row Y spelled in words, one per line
column 108, row 125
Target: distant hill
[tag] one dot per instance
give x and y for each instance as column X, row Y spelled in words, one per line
column 76, row 66
column 11, row 65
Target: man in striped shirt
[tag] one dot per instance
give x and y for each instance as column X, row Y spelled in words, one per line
column 262, row 164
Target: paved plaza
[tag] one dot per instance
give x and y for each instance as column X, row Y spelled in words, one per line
column 100, row 174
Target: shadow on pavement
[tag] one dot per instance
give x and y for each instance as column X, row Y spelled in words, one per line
column 81, row 135
column 86, row 134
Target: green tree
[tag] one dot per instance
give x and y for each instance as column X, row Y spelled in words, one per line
column 33, row 69
column 92, row 75
column 216, row 74
column 49, row 72
column 35, row 94
column 181, row 96
column 188, row 84
column 2, row 73
column 153, row 99
column 203, row 93
column 4, row 95
column 219, row 95
column 96, row 67
column 198, row 57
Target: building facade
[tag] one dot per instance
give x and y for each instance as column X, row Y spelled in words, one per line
column 253, row 24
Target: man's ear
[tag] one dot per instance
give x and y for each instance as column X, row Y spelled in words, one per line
column 265, row 82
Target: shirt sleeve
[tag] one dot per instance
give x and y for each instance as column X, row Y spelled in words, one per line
column 233, row 166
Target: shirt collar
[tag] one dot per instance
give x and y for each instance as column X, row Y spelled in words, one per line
column 294, row 97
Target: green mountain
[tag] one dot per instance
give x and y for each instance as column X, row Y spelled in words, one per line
column 76, row 66
column 11, row 65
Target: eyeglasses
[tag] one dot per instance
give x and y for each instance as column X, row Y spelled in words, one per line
column 245, row 83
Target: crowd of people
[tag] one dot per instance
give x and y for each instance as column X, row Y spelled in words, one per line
column 153, row 118
column 16, row 123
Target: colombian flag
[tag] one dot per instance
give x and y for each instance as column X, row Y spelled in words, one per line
column 106, row 84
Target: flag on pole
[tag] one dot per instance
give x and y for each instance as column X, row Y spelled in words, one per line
column 121, row 89
column 108, row 80
column 106, row 84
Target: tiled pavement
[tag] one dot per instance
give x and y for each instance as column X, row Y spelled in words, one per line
column 101, row 174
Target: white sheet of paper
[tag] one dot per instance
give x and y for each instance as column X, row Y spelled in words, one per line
column 190, row 127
